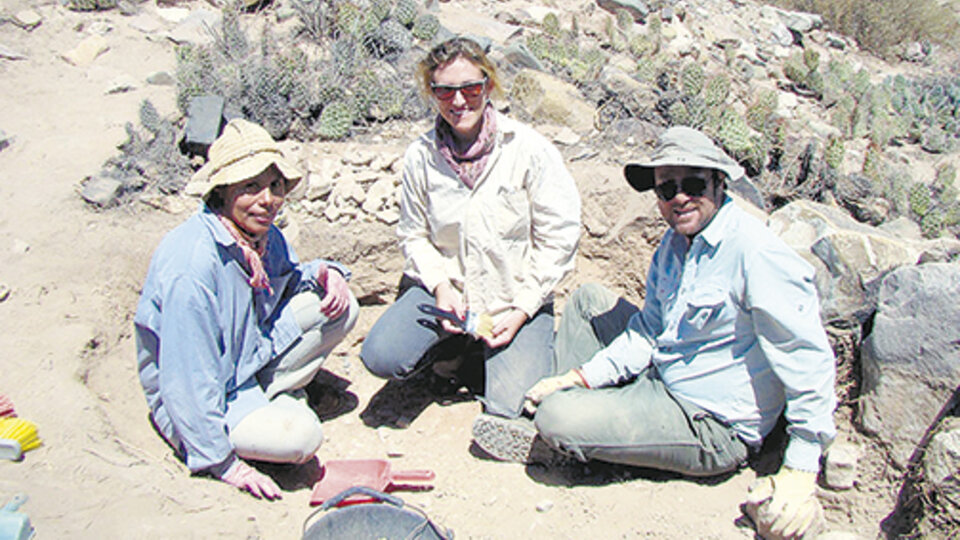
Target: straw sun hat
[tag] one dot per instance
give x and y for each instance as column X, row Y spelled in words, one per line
column 682, row 146
column 243, row 150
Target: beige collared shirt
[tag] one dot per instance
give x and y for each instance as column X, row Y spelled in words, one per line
column 507, row 242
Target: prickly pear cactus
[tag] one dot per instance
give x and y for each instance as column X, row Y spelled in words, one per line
column 551, row 24
column 335, row 120
column 834, row 153
column 734, row 133
column 426, row 27
column 405, row 12
column 717, row 90
column 691, row 79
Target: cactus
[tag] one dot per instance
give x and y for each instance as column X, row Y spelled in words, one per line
column 873, row 163
column 834, row 153
column 379, row 10
column 811, row 59
column 717, row 90
column 393, row 37
column 336, row 119
column 946, row 176
column 624, row 20
column 551, row 25
column 426, row 27
column 350, row 19
column 920, row 202
column 931, row 225
column 733, row 133
column 691, row 79
column 406, row 12
column 640, row 46
column 762, row 107
column 91, row 5
column 795, row 69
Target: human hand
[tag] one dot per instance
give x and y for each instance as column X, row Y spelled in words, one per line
column 504, row 331
column 549, row 385
column 448, row 300
column 246, row 478
column 337, row 297
column 785, row 505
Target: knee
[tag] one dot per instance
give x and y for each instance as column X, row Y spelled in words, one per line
column 589, row 295
column 379, row 355
column 555, row 417
column 278, row 433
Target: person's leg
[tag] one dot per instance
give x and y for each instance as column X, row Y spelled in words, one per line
column 299, row 364
column 281, row 430
column 512, row 369
column 397, row 342
column 592, row 318
column 641, row 424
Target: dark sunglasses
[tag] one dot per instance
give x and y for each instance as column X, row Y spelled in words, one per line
column 694, row 186
column 445, row 92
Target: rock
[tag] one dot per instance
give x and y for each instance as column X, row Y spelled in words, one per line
column 550, row 99
column 86, row 51
column 121, row 84
column 160, row 78
column 4, row 292
column 566, row 137
column 389, row 216
column 320, row 184
column 913, row 52
column 941, row 462
column 544, row 506
column 204, row 118
column 518, row 55
column 194, row 27
column 840, row 468
column 835, row 40
column 850, row 257
column 910, row 361
column 11, row 54
column 464, row 21
column 358, row 157
column 781, row 35
column 347, row 189
column 379, row 195
column 27, row 19
column 5, row 140
column 101, row 191
column 19, row 247
column 636, row 8
column 146, row 24
column 799, row 21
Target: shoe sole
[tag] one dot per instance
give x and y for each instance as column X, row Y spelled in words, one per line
column 509, row 440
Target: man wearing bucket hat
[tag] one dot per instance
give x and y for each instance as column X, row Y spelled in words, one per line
column 729, row 337
column 231, row 327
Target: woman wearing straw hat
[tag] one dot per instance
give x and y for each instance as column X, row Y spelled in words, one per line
column 231, row 326
column 490, row 222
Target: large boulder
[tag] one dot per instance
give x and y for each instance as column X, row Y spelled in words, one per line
column 850, row 257
column 911, row 359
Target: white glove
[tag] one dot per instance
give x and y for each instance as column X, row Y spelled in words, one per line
column 246, row 478
column 785, row 505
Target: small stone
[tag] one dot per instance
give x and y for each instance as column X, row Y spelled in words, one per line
column 840, row 471
column 86, row 51
column 567, row 137
column 101, row 191
column 160, row 78
column 544, row 506
column 4, row 292
column 27, row 19
column 5, row 140
column 10, row 54
column 20, row 247
column 122, row 84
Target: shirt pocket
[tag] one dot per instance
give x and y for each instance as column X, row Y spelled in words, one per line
column 704, row 312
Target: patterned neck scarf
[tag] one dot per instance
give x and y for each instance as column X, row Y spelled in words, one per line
column 253, row 251
column 468, row 164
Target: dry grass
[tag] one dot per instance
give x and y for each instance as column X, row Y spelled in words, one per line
column 881, row 25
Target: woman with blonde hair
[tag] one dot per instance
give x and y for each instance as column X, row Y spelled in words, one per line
column 490, row 223
column 231, row 327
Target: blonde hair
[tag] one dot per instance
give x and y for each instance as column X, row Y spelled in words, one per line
column 450, row 50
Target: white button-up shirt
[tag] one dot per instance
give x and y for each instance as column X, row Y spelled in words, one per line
column 505, row 243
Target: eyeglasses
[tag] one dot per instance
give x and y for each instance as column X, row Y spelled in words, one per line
column 469, row 90
column 693, row 186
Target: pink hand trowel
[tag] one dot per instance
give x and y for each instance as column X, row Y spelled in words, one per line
column 339, row 475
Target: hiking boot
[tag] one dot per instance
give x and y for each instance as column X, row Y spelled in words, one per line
column 514, row 440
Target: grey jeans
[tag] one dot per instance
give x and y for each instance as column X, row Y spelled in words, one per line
column 640, row 423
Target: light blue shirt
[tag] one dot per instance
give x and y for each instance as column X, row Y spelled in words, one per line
column 731, row 323
column 202, row 331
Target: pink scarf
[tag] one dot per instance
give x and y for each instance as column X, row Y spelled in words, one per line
column 252, row 254
column 469, row 164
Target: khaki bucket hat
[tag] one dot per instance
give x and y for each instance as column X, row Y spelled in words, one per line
column 686, row 147
column 242, row 151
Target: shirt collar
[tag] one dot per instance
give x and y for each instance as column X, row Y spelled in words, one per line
column 719, row 226
column 212, row 222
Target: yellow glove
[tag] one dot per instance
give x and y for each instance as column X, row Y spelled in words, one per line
column 550, row 385
column 785, row 505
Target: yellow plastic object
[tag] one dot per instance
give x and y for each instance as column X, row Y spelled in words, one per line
column 20, row 430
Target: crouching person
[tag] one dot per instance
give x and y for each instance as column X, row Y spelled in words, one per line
column 230, row 326
column 728, row 338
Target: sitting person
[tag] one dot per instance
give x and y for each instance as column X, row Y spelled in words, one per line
column 231, row 326
column 490, row 222
column 729, row 336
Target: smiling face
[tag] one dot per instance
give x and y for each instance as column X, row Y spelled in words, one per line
column 253, row 204
column 463, row 113
column 686, row 214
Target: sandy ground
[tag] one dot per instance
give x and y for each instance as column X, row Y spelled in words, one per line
column 67, row 356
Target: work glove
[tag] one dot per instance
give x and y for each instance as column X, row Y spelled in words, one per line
column 785, row 505
column 550, row 385
column 246, row 478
